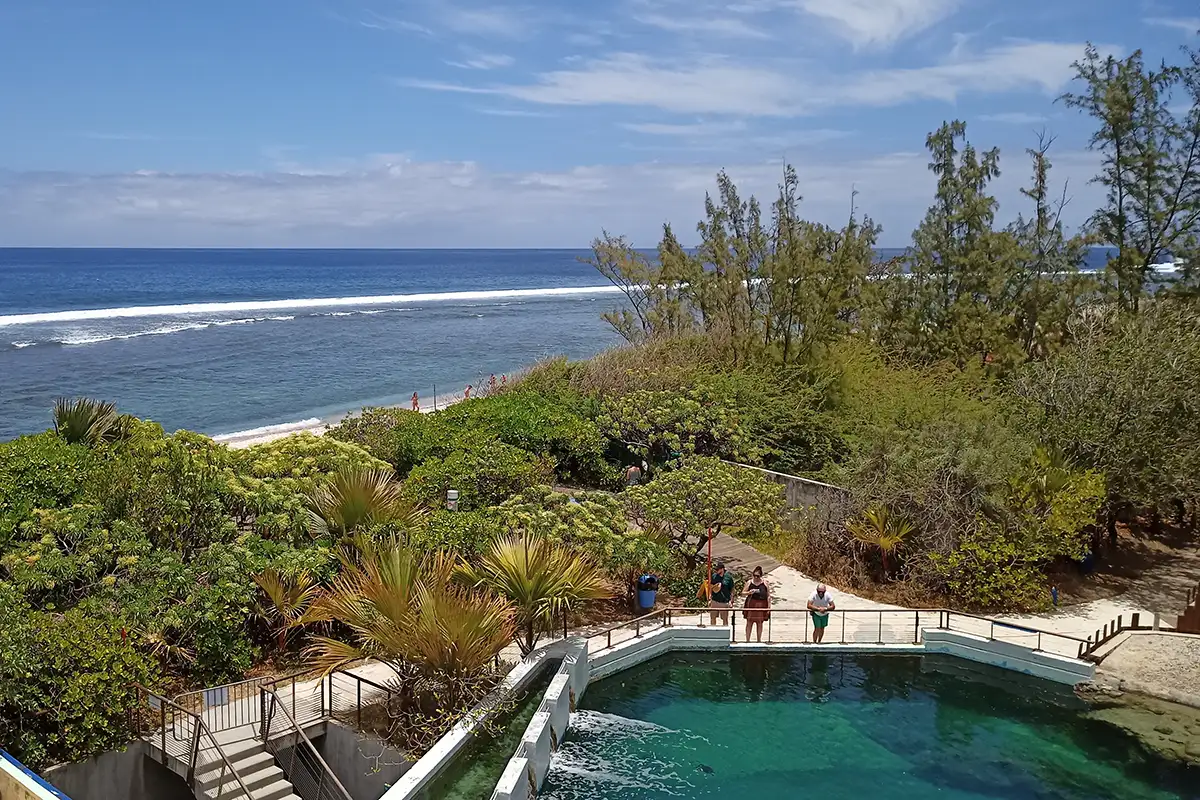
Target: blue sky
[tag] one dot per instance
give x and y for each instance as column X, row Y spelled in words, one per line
column 441, row 123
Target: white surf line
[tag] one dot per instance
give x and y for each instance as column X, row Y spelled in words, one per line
column 313, row 302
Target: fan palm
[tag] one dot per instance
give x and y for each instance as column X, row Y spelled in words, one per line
column 85, row 421
column 358, row 498
column 289, row 598
column 406, row 612
column 539, row 577
column 882, row 530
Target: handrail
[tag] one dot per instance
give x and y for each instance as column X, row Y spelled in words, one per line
column 945, row 621
column 194, row 751
column 277, row 702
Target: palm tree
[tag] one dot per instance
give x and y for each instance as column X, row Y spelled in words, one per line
column 407, row 613
column 882, row 530
column 289, row 598
column 358, row 498
column 85, row 421
column 539, row 577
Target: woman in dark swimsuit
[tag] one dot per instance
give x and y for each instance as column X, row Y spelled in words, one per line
column 758, row 600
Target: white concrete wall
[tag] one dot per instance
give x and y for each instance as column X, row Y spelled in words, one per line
column 515, row 782
column 661, row 640
column 1041, row 664
column 538, row 749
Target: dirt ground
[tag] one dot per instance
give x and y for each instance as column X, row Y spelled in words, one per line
column 1154, row 573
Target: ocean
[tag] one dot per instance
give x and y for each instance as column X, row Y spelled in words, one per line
column 235, row 341
column 225, row 341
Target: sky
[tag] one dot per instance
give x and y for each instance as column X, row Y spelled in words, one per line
column 530, row 123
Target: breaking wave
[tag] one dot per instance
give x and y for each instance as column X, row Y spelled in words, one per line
column 81, row 315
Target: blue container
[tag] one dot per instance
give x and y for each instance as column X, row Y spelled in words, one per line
column 646, row 598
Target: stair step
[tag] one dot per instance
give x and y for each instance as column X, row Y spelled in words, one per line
column 254, row 781
column 245, row 765
column 274, row 791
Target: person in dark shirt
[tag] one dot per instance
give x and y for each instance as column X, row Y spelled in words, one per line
column 758, row 600
column 720, row 594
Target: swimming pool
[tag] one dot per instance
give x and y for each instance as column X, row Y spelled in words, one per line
column 845, row 726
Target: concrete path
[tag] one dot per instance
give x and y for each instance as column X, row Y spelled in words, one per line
column 739, row 556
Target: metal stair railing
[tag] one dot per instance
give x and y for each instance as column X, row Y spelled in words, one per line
column 183, row 735
column 308, row 773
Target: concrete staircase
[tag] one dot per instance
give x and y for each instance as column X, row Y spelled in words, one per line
column 254, row 765
column 249, row 758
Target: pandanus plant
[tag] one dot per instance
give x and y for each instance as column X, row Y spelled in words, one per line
column 357, row 499
column 540, row 578
column 882, row 530
column 86, row 421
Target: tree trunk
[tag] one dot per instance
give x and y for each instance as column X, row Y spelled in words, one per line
column 1155, row 522
column 1111, row 523
column 1180, row 513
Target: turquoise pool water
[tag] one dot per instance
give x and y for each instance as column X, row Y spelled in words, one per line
column 824, row 726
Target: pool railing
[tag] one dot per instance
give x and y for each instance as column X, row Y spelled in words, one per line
column 846, row 627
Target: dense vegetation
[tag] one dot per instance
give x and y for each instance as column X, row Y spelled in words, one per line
column 989, row 408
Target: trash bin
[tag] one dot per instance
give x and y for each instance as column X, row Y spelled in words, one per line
column 647, row 589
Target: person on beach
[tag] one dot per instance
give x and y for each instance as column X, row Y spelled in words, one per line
column 720, row 593
column 416, row 402
column 820, row 603
column 633, row 475
column 758, row 600
column 467, row 394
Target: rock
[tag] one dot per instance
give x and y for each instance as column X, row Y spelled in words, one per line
column 1164, row 729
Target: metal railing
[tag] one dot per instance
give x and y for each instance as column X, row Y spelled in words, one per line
column 850, row 626
column 1109, row 632
column 228, row 706
column 183, row 735
column 349, row 694
column 303, row 765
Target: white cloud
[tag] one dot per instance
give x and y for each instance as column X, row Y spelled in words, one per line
column 397, row 201
column 723, row 86
column 1014, row 118
column 495, row 21
column 711, row 26
column 684, row 129
column 511, row 112
column 381, row 22
column 878, row 22
column 1189, row 25
column 483, row 61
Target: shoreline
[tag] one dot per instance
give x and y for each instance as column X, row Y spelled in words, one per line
column 317, row 426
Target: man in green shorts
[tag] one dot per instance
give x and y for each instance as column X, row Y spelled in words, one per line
column 720, row 593
column 820, row 603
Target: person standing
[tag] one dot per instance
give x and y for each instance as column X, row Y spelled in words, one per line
column 820, row 603
column 633, row 475
column 467, row 394
column 416, row 402
column 758, row 600
column 720, row 593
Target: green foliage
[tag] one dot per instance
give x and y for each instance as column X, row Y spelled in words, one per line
column 1148, row 135
column 467, row 533
column 85, row 421
column 485, row 473
column 40, row 471
column 705, row 494
column 539, row 577
column 536, row 424
column 398, row 436
column 882, row 530
column 65, row 689
column 594, row 524
column 1122, row 401
column 268, row 485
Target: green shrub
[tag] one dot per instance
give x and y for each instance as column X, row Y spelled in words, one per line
column 40, row 471
column 65, row 691
column 487, row 472
column 398, row 436
column 467, row 533
column 529, row 421
column 595, row 524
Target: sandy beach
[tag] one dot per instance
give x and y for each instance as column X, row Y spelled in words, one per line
column 318, row 427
